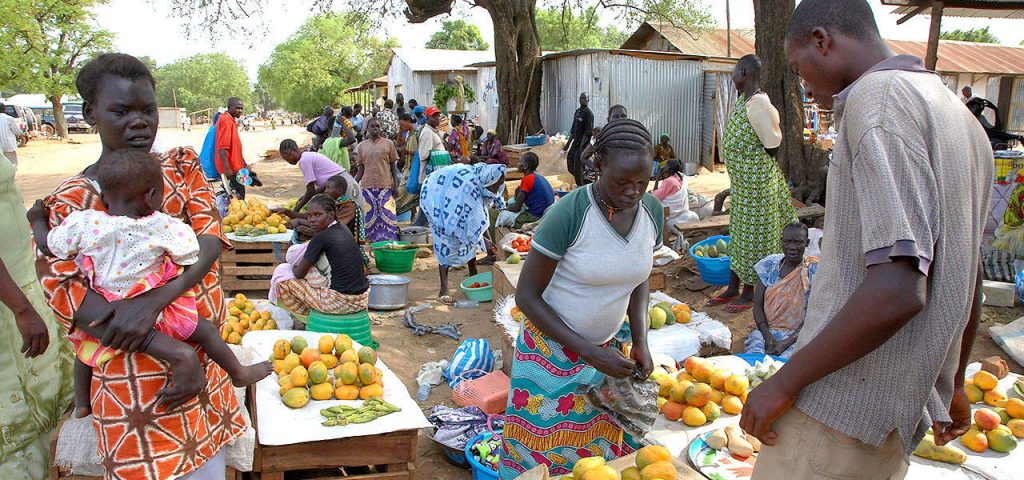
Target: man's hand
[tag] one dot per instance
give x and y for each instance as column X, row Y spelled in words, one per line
column 960, row 412
column 34, row 336
column 132, row 321
column 38, row 213
column 765, row 404
column 641, row 354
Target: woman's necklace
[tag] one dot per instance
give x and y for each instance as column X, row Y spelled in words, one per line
column 611, row 210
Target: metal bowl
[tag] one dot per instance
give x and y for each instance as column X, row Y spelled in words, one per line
column 691, row 168
column 388, row 292
column 414, row 234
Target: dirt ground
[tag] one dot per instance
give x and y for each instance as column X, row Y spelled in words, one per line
column 43, row 164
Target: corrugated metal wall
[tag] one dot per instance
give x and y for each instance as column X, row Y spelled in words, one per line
column 665, row 95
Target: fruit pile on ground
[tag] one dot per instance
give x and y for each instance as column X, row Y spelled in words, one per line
column 653, row 462
column 996, row 429
column 700, row 393
column 372, row 409
column 739, row 443
column 982, row 388
column 664, row 313
column 305, row 372
column 243, row 317
column 252, row 218
column 719, row 250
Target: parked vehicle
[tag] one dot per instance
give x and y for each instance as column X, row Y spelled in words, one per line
column 75, row 118
column 46, row 122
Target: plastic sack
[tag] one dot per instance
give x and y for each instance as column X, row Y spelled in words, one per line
column 208, row 157
column 630, row 401
column 473, row 359
column 454, row 427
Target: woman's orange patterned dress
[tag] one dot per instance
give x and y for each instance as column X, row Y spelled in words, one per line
column 137, row 439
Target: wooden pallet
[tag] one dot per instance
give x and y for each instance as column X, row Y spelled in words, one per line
column 250, row 265
column 392, row 455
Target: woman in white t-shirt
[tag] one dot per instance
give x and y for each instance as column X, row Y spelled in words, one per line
column 588, row 269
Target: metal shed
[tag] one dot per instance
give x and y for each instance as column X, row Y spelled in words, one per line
column 662, row 90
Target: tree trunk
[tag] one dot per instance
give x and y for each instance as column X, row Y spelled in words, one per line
column 59, row 124
column 771, row 18
column 517, row 54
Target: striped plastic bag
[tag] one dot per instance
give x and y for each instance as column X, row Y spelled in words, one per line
column 473, row 359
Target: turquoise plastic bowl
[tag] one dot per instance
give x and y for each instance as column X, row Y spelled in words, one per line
column 482, row 294
column 714, row 271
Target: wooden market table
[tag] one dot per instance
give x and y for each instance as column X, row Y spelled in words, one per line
column 393, row 454
column 251, row 264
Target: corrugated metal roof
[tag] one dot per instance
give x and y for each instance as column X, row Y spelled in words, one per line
column 964, row 8
column 434, row 60
column 954, row 57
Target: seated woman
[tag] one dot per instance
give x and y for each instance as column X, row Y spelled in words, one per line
column 337, row 284
column 534, row 192
column 673, row 194
column 492, row 152
column 780, row 297
column 663, row 153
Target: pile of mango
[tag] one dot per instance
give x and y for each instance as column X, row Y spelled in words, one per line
column 982, row 388
column 244, row 318
column 652, row 462
column 998, row 430
column 252, row 218
column 719, row 250
column 700, row 392
column 305, row 372
column 665, row 313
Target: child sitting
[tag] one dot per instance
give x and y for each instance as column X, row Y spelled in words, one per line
column 128, row 250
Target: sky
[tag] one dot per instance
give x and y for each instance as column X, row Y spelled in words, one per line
column 147, row 28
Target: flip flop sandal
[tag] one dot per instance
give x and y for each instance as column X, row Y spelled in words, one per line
column 447, row 300
column 738, row 308
column 721, row 299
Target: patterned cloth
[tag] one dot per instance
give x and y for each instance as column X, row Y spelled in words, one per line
column 1009, row 237
column 760, row 198
column 388, row 124
column 546, row 421
column 785, row 300
column 381, row 222
column 299, row 295
column 138, row 440
column 455, row 200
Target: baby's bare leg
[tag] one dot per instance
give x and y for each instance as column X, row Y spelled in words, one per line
column 241, row 375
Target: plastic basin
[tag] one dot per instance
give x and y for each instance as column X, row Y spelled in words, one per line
column 481, row 294
column 536, row 140
column 393, row 261
column 714, row 271
column 480, row 471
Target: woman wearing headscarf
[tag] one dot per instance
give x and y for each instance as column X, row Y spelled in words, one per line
column 455, row 201
column 587, row 271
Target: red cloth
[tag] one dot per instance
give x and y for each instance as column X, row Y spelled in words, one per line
column 526, row 184
column 228, row 139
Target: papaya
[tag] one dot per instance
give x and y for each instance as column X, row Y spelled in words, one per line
column 603, row 472
column 299, row 376
column 308, row 356
column 651, row 454
column 1001, row 441
column 663, row 470
column 326, row 344
column 341, row 343
column 298, row 344
column 585, row 465
column 347, row 374
column 371, row 391
column 366, row 372
column 322, row 391
column 347, row 392
column 295, row 398
column 281, row 349
column 329, row 360
column 367, row 355
column 946, row 453
column 317, row 372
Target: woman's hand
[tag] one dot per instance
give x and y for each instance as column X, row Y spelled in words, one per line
column 34, row 336
column 132, row 321
column 610, row 361
column 641, row 354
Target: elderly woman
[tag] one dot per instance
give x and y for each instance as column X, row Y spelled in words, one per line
column 186, row 412
column 37, row 388
column 455, row 201
column 587, row 270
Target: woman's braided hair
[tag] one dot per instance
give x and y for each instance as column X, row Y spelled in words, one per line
column 624, row 133
column 325, row 202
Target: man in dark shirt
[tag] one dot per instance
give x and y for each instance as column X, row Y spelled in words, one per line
column 579, row 138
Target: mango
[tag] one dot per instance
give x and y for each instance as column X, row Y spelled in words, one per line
column 651, row 454
column 347, row 392
column 673, row 410
column 326, row 344
column 367, row 355
column 264, row 316
column 298, row 344
column 329, row 360
column 1016, row 427
column 694, row 417
column 281, row 349
column 995, row 398
column 585, row 465
column 513, row 259
column 661, row 470
column 986, row 419
column 1004, row 417
column 732, row 405
column 656, row 318
column 702, row 372
column 348, row 356
column 366, row 372
column 270, row 325
column 234, row 338
column 661, row 403
column 684, row 375
column 295, row 398
column 317, row 372
column 631, row 473
column 717, row 396
column 1015, row 408
column 691, row 363
column 1001, row 441
column 347, row 373
column 712, row 253
column 299, row 376
column 737, row 385
column 985, row 381
column 678, row 392
column 670, row 317
column 974, row 394
column 665, row 386
column 718, row 378
column 603, row 472
column 698, row 394
column 341, row 343
column 375, row 390
column 712, row 411
column 285, row 380
column 975, row 440
column 308, row 356
column 278, row 365
column 322, row 391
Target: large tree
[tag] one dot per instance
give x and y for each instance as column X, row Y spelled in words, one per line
column 516, row 40
column 458, row 35
column 45, row 43
column 980, row 35
column 562, row 29
column 202, row 81
column 331, row 52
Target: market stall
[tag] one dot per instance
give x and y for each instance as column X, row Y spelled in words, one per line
column 260, row 241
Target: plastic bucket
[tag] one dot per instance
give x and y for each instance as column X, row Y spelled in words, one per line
column 480, row 471
column 481, row 294
column 714, row 271
column 393, row 261
column 355, row 325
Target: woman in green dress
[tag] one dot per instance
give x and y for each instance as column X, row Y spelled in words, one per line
column 760, row 205
column 37, row 388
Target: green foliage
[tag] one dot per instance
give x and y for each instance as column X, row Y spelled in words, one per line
column 980, row 35
column 329, row 53
column 202, row 81
column 457, row 35
column 264, row 100
column 561, row 30
column 447, row 91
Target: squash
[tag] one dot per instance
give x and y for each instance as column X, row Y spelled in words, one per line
column 754, row 442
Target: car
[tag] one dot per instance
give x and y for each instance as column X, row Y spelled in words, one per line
column 74, row 118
